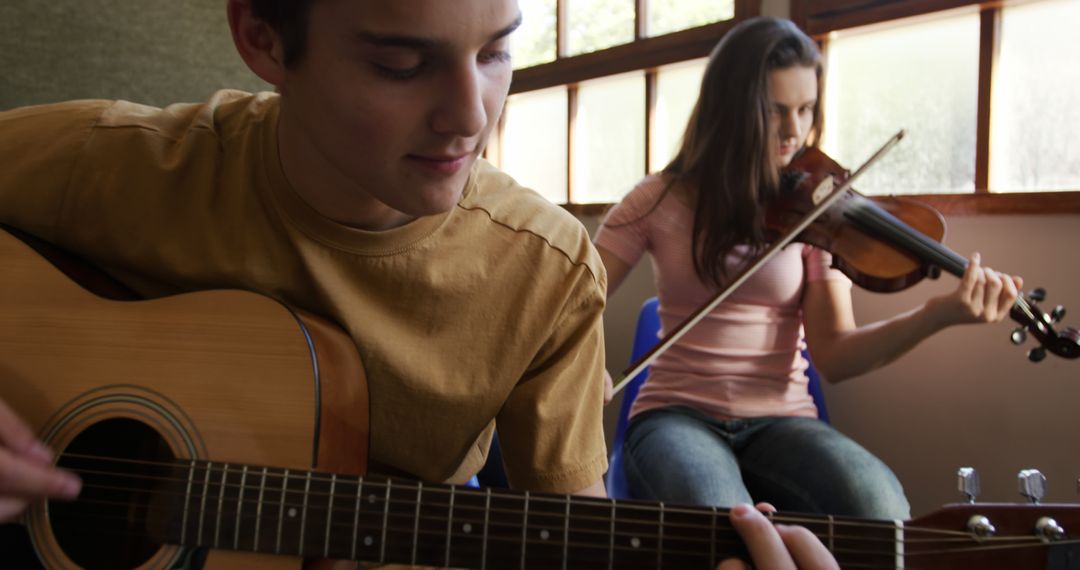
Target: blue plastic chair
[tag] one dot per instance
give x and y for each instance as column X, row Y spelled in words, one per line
column 646, row 336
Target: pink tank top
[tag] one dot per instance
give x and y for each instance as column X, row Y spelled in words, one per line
column 743, row 359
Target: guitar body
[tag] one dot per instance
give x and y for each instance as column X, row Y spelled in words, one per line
column 227, row 376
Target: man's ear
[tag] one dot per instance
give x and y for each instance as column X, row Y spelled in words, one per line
column 258, row 44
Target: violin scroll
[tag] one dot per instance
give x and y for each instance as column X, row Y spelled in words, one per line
column 1026, row 311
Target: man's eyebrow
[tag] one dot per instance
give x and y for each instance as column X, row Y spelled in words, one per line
column 419, row 43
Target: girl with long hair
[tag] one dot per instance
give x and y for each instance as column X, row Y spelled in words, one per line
column 725, row 417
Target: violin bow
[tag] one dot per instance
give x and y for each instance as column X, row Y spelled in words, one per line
column 672, row 337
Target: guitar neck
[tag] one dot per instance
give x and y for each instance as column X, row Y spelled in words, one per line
column 320, row 515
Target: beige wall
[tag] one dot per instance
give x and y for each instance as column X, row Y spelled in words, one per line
column 966, row 397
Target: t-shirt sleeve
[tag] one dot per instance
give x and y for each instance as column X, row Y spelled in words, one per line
column 40, row 147
column 625, row 229
column 551, row 426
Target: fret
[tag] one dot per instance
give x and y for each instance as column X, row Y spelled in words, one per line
column 712, row 537
column 524, row 529
column 356, row 517
column 449, row 526
column 202, row 502
column 487, row 520
column 385, row 522
column 416, row 521
column 281, row 511
column 547, row 530
column 240, row 508
column 507, row 521
column 589, row 525
column 259, row 508
column 611, row 538
column 187, row 503
column 433, row 525
column 220, row 505
column 566, row 534
column 465, row 528
column 329, row 514
column 303, row 513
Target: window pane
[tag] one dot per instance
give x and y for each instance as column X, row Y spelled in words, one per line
column 534, row 42
column 597, row 24
column 609, row 138
column 677, row 88
column 920, row 75
column 666, row 16
column 1036, row 94
column 534, row 141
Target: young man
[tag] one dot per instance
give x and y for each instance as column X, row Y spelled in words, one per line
column 356, row 193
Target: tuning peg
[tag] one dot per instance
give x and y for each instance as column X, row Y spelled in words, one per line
column 1032, row 485
column 1037, row 294
column 1018, row 336
column 1037, row 354
column 1057, row 314
column 967, row 481
column 933, row 271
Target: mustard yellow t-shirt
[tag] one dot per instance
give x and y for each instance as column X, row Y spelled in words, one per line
column 486, row 314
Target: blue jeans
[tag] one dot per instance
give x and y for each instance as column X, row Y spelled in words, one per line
column 679, row 455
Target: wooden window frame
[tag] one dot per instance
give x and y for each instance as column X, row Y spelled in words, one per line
column 821, row 17
column 818, row 18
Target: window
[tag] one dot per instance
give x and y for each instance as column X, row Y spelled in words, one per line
column 986, row 89
column 627, row 69
column 923, row 77
column 1036, row 100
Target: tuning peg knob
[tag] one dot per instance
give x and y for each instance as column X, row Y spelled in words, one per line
column 1037, row 354
column 967, row 481
column 1032, row 485
column 1037, row 294
column 1018, row 336
column 1058, row 313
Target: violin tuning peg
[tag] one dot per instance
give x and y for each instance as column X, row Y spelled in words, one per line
column 1058, row 313
column 1037, row 354
column 1018, row 336
column 933, row 271
column 1037, row 294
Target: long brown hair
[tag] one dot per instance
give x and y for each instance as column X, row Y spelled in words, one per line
column 724, row 159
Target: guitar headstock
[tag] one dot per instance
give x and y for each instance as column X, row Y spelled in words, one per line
column 996, row 535
column 1032, row 319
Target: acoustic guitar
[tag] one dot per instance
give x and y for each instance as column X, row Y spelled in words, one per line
column 225, row 429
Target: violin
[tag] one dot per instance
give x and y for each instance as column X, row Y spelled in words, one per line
column 887, row 244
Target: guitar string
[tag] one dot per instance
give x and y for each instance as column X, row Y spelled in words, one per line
column 402, row 485
column 319, row 510
column 216, row 490
column 464, row 551
column 464, row 540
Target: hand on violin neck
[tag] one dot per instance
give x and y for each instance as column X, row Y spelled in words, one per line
column 982, row 296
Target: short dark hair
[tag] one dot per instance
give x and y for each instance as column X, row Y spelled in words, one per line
column 289, row 18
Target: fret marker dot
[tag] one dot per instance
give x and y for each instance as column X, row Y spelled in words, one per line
column 292, row 512
column 635, row 542
column 467, row 528
column 368, row 541
column 371, row 498
column 544, row 534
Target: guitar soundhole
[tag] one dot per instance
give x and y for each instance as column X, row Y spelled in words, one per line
column 129, row 486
